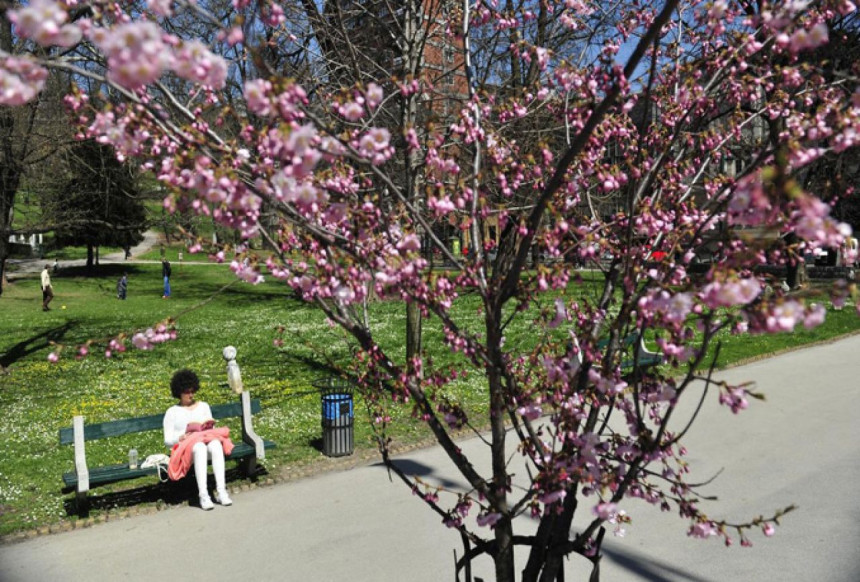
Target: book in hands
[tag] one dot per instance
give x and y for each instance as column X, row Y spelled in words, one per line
column 198, row 426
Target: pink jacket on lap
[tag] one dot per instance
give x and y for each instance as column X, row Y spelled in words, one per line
column 181, row 458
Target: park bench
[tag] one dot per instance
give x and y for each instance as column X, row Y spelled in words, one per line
column 247, row 451
column 636, row 356
column 641, row 357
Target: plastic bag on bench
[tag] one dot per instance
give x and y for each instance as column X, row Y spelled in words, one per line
column 159, row 461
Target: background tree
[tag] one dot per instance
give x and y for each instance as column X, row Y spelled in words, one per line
column 98, row 204
column 29, row 138
column 649, row 99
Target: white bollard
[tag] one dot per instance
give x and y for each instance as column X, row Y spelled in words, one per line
column 234, row 375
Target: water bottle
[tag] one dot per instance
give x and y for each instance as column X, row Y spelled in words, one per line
column 132, row 459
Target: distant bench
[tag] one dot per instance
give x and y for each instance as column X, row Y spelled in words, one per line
column 636, row 357
column 641, row 357
column 83, row 478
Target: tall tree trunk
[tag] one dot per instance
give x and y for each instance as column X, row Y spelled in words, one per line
column 414, row 60
column 10, row 172
column 90, row 257
column 413, row 331
column 10, row 177
column 4, row 252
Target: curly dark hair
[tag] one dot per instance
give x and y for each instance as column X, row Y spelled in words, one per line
column 182, row 381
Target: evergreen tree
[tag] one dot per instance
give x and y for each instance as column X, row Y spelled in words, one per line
column 98, row 204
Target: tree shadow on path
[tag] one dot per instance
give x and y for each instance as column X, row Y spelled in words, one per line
column 648, row 568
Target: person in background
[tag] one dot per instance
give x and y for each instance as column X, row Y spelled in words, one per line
column 165, row 273
column 122, row 286
column 191, row 420
column 47, row 289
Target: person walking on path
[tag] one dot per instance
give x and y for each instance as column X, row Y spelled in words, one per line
column 47, row 290
column 165, row 273
column 122, row 286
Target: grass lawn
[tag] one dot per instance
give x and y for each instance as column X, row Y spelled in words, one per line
column 38, row 398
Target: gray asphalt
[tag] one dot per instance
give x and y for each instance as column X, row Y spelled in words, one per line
column 799, row 447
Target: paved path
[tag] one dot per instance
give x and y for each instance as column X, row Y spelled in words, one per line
column 802, row 446
column 150, row 239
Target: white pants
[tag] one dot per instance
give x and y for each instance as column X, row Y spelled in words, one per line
column 202, row 452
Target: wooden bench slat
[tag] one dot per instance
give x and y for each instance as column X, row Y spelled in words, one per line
column 114, row 428
column 113, row 473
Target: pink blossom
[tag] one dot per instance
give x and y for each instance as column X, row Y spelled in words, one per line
column 410, row 244
column 21, row 79
column 768, row 529
column 301, row 139
column 42, row 21
column 53, row 357
column 161, row 7
column 136, row 53
column 373, row 95
column 530, row 411
column 374, row 140
column 605, row 511
column 412, row 139
column 735, row 399
column 553, row 497
column 195, row 62
column 351, row 111
column 815, row 316
column 784, row 316
column 256, row 97
column 731, row 292
column 246, row 272
column 235, row 36
column 139, row 341
column 702, row 530
column 809, row 39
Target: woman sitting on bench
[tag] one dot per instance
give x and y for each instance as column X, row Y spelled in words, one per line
column 192, row 419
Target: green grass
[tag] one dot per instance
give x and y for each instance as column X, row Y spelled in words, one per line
column 38, row 398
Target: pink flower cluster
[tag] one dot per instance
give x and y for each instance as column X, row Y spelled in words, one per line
column 21, row 79
column 195, row 62
column 750, row 205
column 43, row 22
column 730, row 291
column 146, row 340
column 735, row 398
column 246, row 272
column 702, row 530
column 136, row 53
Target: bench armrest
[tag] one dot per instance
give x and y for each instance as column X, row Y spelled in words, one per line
column 248, row 434
column 642, row 352
column 81, row 469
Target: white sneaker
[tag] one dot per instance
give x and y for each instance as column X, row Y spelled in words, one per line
column 223, row 497
column 206, row 503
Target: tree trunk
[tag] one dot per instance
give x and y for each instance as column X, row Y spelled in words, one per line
column 4, row 252
column 90, row 255
column 413, row 332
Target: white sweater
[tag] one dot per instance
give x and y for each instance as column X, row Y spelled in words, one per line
column 177, row 418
